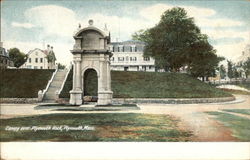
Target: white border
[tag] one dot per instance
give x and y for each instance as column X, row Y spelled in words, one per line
column 125, row 150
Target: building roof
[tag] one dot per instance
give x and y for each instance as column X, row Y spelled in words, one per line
column 129, row 42
column 3, row 52
column 31, row 51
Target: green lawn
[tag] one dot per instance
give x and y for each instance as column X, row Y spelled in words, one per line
column 231, row 91
column 245, row 85
column 239, row 125
column 108, row 127
column 153, row 85
column 242, row 111
column 23, row 83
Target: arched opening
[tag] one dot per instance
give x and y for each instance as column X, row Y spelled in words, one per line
column 90, row 85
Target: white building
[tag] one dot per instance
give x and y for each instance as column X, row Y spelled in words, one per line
column 128, row 56
column 40, row 59
column 245, row 55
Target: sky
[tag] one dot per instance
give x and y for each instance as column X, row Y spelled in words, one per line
column 29, row 24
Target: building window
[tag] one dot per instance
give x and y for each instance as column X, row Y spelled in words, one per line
column 135, row 49
column 120, row 48
column 41, row 60
column 127, row 58
column 29, row 60
column 131, row 49
column 112, row 58
column 113, row 48
column 120, row 58
column 41, row 67
column 146, row 58
column 35, row 67
column 36, row 60
column 133, row 58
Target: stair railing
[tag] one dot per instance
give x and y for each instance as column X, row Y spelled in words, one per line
column 41, row 93
column 58, row 92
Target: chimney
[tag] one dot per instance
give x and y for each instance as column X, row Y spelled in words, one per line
column 1, row 44
column 48, row 47
column 105, row 27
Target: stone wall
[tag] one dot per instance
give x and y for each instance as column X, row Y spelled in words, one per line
column 18, row 100
column 162, row 100
column 171, row 100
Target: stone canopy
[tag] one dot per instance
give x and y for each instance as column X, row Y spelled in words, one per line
column 90, row 51
column 91, row 38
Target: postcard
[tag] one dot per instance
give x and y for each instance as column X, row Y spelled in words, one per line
column 108, row 79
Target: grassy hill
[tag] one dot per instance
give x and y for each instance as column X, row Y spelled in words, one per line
column 153, row 85
column 23, row 83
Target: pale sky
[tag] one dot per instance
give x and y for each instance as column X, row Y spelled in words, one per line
column 29, row 24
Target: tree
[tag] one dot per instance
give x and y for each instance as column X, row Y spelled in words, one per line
column 223, row 72
column 202, row 61
column 17, row 57
column 176, row 42
column 246, row 67
column 61, row 66
column 230, row 71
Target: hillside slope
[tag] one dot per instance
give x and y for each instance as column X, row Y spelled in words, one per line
column 154, row 85
column 23, row 83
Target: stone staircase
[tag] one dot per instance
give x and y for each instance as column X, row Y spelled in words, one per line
column 56, row 84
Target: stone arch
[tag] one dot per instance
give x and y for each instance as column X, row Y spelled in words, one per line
column 98, row 76
column 92, row 67
column 90, row 83
column 90, row 29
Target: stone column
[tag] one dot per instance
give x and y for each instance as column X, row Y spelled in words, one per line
column 108, row 76
column 78, row 74
column 76, row 92
column 74, row 76
column 104, row 92
column 101, row 87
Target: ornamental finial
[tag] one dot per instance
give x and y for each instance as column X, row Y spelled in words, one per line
column 91, row 22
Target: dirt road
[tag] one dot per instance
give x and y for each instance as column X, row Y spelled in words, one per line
column 192, row 116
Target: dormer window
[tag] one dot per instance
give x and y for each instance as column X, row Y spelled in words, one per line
column 120, row 48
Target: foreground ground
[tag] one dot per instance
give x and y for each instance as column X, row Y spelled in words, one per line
column 184, row 122
column 107, row 127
